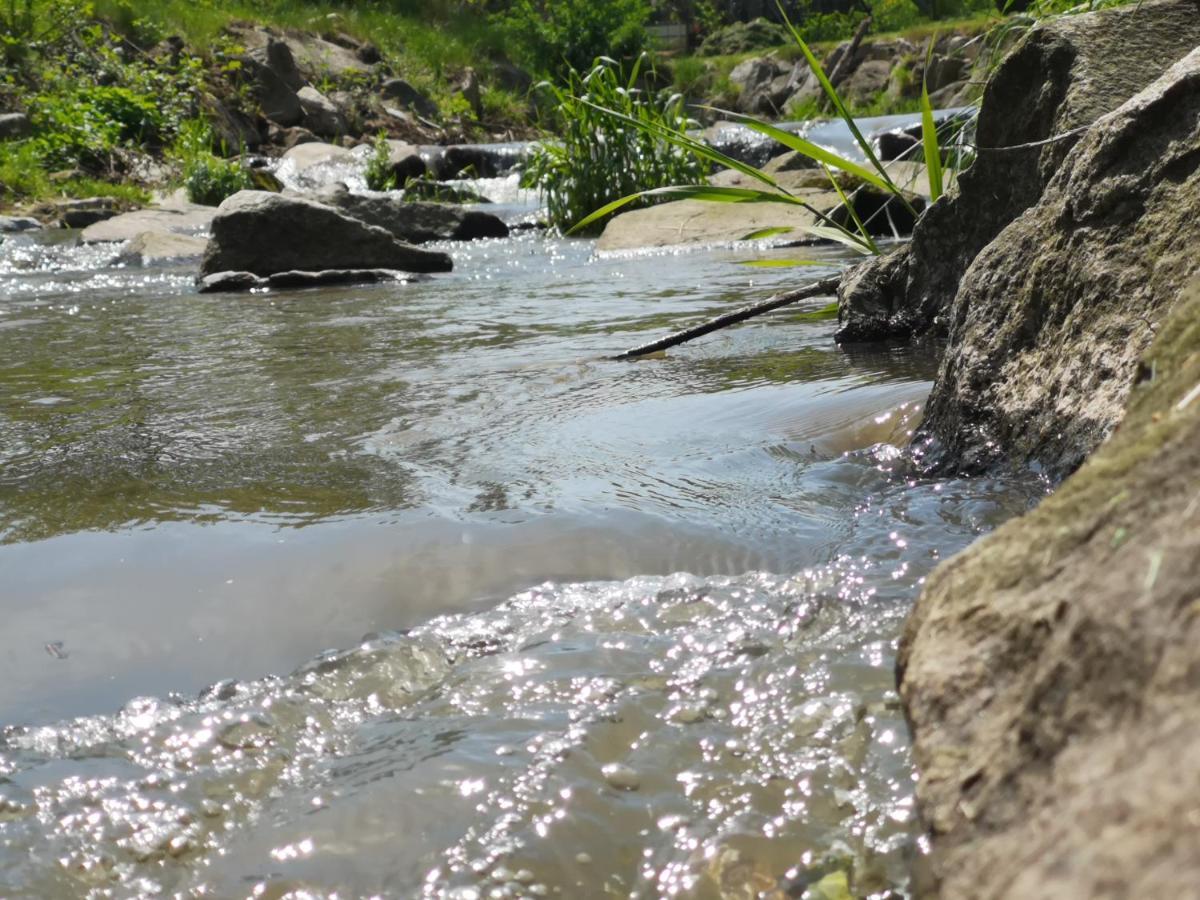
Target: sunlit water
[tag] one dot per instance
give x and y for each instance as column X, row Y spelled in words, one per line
column 449, row 481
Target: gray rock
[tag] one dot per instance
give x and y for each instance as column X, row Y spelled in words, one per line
column 264, row 233
column 892, row 145
column 415, row 222
column 882, row 213
column 13, row 224
column 274, row 80
column 321, row 116
column 82, row 213
column 241, row 282
column 399, row 92
column 233, row 129
column 14, row 126
column 174, row 217
column 406, row 162
column 159, row 247
column 1050, row 672
column 1051, row 317
column 868, row 80
column 1065, row 74
column 758, row 91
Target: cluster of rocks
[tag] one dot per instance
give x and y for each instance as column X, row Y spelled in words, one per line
column 1049, row 673
column 771, row 86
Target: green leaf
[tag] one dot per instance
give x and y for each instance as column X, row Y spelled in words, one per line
column 929, row 135
column 778, row 263
column 812, row 151
column 766, row 233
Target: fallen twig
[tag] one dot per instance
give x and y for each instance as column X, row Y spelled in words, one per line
column 825, row 286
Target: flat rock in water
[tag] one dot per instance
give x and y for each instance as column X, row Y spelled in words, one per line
column 241, row 282
column 698, row 222
column 158, row 247
column 265, row 233
column 13, row 224
column 173, row 217
column 412, row 221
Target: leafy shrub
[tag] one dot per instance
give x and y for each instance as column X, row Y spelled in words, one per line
column 568, row 35
column 208, row 179
column 379, row 173
column 743, row 37
column 600, row 157
column 83, row 124
column 894, row 15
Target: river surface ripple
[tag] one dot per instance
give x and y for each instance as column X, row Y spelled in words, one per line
column 448, row 481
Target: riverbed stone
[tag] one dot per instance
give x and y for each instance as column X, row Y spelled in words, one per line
column 242, row 282
column 159, row 247
column 265, row 233
column 274, row 81
column 14, row 224
column 1063, row 76
column 414, row 221
column 173, row 216
column 1050, row 672
column 87, row 211
column 1051, row 317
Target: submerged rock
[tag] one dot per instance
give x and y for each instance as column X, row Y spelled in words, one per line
column 13, row 224
column 1050, row 319
column 265, row 233
column 1050, row 672
column 1061, row 78
column 241, row 282
column 414, row 221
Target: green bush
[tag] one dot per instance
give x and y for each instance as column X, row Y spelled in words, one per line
column 83, row 124
column 208, row 179
column 894, row 15
column 600, row 158
column 379, row 173
column 567, row 35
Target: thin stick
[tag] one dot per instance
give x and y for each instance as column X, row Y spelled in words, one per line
column 827, row 286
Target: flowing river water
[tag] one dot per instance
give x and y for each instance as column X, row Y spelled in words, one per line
column 598, row 629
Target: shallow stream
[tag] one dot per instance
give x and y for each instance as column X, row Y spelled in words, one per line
column 449, row 483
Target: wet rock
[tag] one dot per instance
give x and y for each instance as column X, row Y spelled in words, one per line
column 621, row 777
column 406, row 162
column 892, row 145
column 266, row 233
column 314, row 154
column 14, row 126
column 242, row 282
column 882, row 213
column 1051, row 317
column 321, row 115
column 412, row 221
column 400, row 93
column 1063, row 75
column 157, row 247
column 13, row 224
column 1050, row 672
column 82, row 213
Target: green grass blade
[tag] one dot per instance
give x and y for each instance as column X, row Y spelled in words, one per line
column 779, row 263
column 766, row 233
column 809, row 149
column 929, row 135
column 840, row 107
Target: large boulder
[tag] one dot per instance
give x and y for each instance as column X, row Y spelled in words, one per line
column 415, row 222
column 264, row 233
column 1050, row 318
column 1050, row 672
column 1064, row 75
